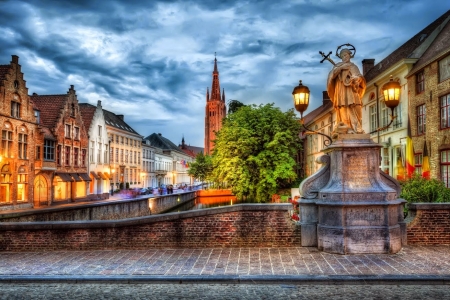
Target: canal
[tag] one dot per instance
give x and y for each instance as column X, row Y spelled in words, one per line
column 202, row 202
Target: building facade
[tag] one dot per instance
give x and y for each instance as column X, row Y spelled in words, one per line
column 429, row 93
column 64, row 148
column 215, row 111
column 148, row 165
column 19, row 128
column 125, row 152
column 99, row 167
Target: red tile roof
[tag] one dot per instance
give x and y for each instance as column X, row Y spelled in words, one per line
column 87, row 114
column 405, row 50
column 50, row 107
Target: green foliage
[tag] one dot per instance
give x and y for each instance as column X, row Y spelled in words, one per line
column 234, row 105
column 419, row 189
column 254, row 151
column 201, row 168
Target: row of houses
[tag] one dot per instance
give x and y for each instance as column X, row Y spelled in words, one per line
column 422, row 67
column 55, row 149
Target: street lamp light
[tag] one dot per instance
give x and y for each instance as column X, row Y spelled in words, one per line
column 301, row 95
column 391, row 98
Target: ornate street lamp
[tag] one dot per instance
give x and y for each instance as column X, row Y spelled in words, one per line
column 301, row 101
column 391, row 98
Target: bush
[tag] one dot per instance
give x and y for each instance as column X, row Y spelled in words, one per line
column 419, row 189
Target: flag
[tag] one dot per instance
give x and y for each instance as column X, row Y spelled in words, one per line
column 425, row 162
column 409, row 153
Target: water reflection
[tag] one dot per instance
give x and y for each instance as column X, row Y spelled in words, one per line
column 209, row 202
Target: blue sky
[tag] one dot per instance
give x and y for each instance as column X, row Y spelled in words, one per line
column 153, row 60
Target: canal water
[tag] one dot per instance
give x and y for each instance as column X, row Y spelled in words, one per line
column 209, row 202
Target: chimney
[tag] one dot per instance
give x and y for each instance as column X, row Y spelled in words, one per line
column 15, row 59
column 120, row 117
column 325, row 98
column 367, row 64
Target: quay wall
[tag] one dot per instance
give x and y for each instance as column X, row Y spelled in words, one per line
column 100, row 210
column 428, row 224
column 243, row 225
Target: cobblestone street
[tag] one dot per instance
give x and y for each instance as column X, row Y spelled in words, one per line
column 411, row 260
column 221, row 291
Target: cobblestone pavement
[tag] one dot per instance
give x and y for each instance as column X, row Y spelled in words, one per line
column 220, row 291
column 411, row 260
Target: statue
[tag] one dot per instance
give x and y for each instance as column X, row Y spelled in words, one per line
column 346, row 86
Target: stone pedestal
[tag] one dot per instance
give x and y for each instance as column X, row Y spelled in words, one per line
column 358, row 210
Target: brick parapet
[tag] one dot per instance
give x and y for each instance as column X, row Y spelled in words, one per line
column 244, row 225
column 430, row 224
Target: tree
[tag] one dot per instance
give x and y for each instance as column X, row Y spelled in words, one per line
column 234, row 105
column 201, row 168
column 254, row 151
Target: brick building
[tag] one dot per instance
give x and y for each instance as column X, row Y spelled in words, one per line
column 63, row 143
column 19, row 129
column 429, row 94
column 215, row 111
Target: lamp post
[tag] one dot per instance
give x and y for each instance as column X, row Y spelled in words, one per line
column 391, row 97
column 301, row 95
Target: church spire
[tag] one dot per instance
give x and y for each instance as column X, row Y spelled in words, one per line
column 215, row 88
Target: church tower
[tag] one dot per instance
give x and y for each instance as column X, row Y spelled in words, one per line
column 215, row 111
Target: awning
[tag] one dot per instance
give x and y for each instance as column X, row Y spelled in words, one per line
column 65, row 177
column 102, row 176
column 95, row 175
column 107, row 175
column 76, row 177
column 84, row 176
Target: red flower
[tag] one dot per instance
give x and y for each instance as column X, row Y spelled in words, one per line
column 295, row 217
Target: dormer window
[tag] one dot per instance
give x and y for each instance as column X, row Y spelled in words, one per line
column 15, row 109
column 37, row 115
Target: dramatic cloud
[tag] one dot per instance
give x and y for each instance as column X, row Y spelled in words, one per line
column 153, row 60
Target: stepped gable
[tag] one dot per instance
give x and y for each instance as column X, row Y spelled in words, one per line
column 117, row 121
column 438, row 48
column 406, row 50
column 50, row 107
column 87, row 114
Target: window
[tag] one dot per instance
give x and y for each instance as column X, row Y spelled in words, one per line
column 121, row 140
column 384, row 114
column 121, row 155
column 58, row 155
column 444, row 69
column 126, row 156
column 76, row 133
column 117, row 155
column 126, row 143
column 398, row 116
column 445, row 167
column 373, row 117
column 105, row 155
column 99, row 151
column 99, row 130
column 445, row 111
column 49, row 150
column 67, row 133
column 420, row 82
column 38, row 152
column 418, row 163
column 75, row 157
column 111, row 154
column 67, row 156
column 421, row 114
column 83, row 157
column 15, row 109
column 117, row 139
column 72, row 109
column 37, row 115
column 7, row 143
column 385, row 162
column 91, row 153
column 23, row 145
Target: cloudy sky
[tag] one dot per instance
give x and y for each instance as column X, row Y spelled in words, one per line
column 153, row 60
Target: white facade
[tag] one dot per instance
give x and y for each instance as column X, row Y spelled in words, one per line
column 98, row 167
column 163, row 168
column 393, row 139
column 148, row 165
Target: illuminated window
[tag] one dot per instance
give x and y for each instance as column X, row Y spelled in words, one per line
column 23, row 145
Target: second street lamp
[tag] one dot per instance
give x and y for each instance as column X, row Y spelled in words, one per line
column 301, row 95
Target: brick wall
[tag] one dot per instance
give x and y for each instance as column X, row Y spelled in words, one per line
column 430, row 224
column 262, row 225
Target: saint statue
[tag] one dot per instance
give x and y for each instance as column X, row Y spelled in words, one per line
column 346, row 86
